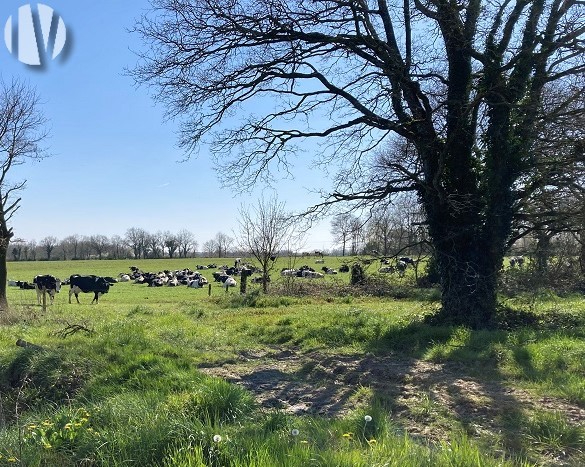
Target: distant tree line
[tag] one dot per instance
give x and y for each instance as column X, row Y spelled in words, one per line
column 137, row 243
column 393, row 229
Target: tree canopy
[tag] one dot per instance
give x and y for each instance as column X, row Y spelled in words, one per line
column 463, row 82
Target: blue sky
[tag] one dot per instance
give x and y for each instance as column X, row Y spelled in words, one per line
column 114, row 162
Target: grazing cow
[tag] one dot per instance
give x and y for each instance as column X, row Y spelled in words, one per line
column 124, row 278
column 229, row 282
column 97, row 285
column 312, row 274
column 407, row 260
column 48, row 283
column 401, row 267
column 387, row 270
column 344, row 268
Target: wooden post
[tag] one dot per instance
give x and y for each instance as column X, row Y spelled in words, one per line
column 44, row 299
column 209, row 291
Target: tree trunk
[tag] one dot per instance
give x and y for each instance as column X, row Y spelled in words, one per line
column 542, row 253
column 582, row 250
column 468, row 284
column 4, row 242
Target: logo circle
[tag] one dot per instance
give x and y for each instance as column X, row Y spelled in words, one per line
column 36, row 35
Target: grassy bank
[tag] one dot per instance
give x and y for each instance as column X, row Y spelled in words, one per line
column 173, row 376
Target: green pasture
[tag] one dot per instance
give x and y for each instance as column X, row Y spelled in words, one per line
column 122, row 382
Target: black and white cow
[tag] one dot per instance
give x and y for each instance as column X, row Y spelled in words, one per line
column 47, row 283
column 96, row 284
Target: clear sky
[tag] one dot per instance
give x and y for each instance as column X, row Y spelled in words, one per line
column 114, row 162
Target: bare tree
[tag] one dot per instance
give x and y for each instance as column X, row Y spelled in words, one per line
column 264, row 230
column 136, row 239
column 30, row 250
column 171, row 243
column 17, row 249
column 186, row 242
column 22, row 132
column 223, row 243
column 463, row 82
column 155, row 244
column 117, row 247
column 48, row 244
column 99, row 244
column 210, row 248
column 71, row 245
column 341, row 229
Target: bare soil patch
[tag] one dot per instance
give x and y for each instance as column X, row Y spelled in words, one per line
column 425, row 398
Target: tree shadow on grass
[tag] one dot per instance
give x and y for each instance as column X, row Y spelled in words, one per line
column 431, row 379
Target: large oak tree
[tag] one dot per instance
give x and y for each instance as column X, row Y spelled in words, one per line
column 462, row 81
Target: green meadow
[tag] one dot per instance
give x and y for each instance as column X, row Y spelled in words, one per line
column 315, row 373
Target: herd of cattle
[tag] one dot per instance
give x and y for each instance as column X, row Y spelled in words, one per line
column 99, row 285
column 225, row 275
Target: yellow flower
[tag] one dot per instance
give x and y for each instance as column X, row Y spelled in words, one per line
column 47, row 423
column 32, row 427
column 372, row 441
column 348, row 435
column 12, row 459
column 304, row 441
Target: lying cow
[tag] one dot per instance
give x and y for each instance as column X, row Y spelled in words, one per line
column 46, row 283
column 97, row 285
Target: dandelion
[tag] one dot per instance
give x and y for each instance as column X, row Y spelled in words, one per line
column 216, row 438
column 12, row 459
column 372, row 442
column 304, row 441
column 67, row 426
column 348, row 435
column 295, row 432
column 368, row 418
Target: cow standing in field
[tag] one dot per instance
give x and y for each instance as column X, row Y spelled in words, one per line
column 97, row 285
column 47, row 283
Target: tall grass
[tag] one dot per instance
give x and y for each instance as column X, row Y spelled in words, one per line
column 130, row 392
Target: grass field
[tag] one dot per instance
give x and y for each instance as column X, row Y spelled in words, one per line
column 175, row 377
